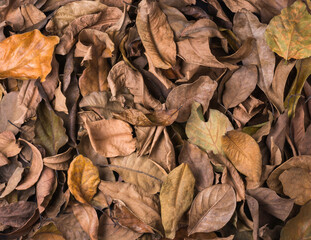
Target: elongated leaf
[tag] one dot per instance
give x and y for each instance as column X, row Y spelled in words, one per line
column 207, row 135
column 140, row 171
column 243, row 151
column 49, row 130
column 27, row 56
column 175, row 197
column 156, row 34
column 83, row 179
column 298, row 227
column 289, row 33
column 212, row 209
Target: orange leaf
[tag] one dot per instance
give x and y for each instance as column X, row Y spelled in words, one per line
column 27, row 56
column 83, row 179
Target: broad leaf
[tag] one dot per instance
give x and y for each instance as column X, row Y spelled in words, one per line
column 175, row 197
column 27, row 56
column 207, row 135
column 83, row 179
column 288, row 34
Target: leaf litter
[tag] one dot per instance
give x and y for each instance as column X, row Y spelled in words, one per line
column 155, row 119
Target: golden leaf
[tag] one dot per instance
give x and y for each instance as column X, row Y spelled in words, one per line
column 83, row 179
column 27, row 56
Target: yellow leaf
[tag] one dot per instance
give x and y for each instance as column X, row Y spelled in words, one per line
column 83, row 179
column 243, row 151
column 27, row 56
column 175, row 197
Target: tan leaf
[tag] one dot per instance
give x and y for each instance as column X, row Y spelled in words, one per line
column 240, row 86
column 236, row 5
column 60, row 100
column 145, row 206
column 48, row 231
column 175, row 197
column 156, row 34
column 243, row 151
column 13, row 182
column 27, row 56
column 207, row 135
column 60, row 161
column 83, row 179
column 140, row 171
column 111, row 138
column 45, row 188
column 35, row 169
column 87, row 218
column 183, row 96
column 8, row 145
column 211, row 209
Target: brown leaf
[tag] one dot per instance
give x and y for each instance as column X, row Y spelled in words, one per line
column 211, row 209
column 140, row 171
column 8, row 145
column 182, row 97
column 240, row 86
column 60, row 100
column 37, row 62
column 111, row 138
column 17, row 214
column 35, row 169
column 60, row 161
column 48, row 231
column 87, row 218
column 13, row 182
column 83, row 179
column 243, row 151
column 45, row 188
column 237, row 5
column 199, row 164
column 156, row 34
column 32, row 15
column 175, row 197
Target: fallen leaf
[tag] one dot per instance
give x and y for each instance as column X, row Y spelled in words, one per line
column 175, row 197
column 244, row 152
column 183, row 96
column 36, row 64
column 49, row 130
column 207, row 135
column 211, row 209
column 156, row 34
column 111, row 138
column 60, row 161
column 48, row 231
column 35, row 169
column 199, row 164
column 13, row 182
column 8, row 145
column 83, row 179
column 286, row 33
column 140, row 171
column 60, row 100
column 87, row 218
column 237, row 5
column 240, row 86
column 299, row 226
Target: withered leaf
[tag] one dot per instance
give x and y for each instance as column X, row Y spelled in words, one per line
column 211, row 209
column 140, row 171
column 13, row 182
column 288, row 33
column 156, row 34
column 49, row 130
column 60, row 161
column 27, row 56
column 183, row 96
column 83, row 179
column 8, row 145
column 244, row 152
column 207, row 135
column 175, row 197
column 111, row 138
column 48, row 231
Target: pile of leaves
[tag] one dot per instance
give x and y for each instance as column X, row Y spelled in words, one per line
column 168, row 119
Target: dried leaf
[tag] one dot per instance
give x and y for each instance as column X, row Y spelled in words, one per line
column 183, row 96
column 35, row 169
column 175, row 197
column 211, row 209
column 13, row 182
column 60, row 100
column 48, row 231
column 60, row 161
column 156, row 34
column 49, row 130
column 36, row 64
column 8, row 145
column 237, row 5
column 207, row 135
column 288, row 33
column 244, row 152
column 140, row 171
column 111, row 138
column 83, row 179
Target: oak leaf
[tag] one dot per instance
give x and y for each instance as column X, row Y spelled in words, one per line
column 27, row 56
column 83, row 179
